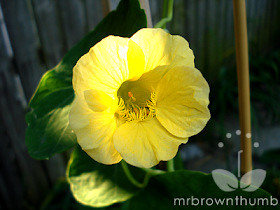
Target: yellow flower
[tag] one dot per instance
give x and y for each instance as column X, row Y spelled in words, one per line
column 138, row 98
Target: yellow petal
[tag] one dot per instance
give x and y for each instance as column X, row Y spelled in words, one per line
column 182, row 100
column 161, row 48
column 145, row 143
column 135, row 60
column 103, row 68
column 93, row 121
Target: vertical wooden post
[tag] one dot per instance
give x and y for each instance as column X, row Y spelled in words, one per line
column 241, row 43
column 105, row 7
column 145, row 5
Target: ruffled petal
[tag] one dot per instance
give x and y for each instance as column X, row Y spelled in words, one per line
column 103, row 68
column 135, row 60
column 92, row 119
column 161, row 48
column 145, row 143
column 182, row 101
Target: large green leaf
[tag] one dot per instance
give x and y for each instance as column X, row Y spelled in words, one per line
column 188, row 186
column 99, row 185
column 61, row 198
column 48, row 129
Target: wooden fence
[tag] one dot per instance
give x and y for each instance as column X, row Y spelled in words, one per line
column 34, row 36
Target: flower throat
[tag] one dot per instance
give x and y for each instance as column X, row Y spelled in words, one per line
column 130, row 111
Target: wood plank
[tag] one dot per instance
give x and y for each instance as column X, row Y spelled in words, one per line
column 73, row 20
column 114, row 4
column 144, row 4
column 200, row 16
column 105, row 7
column 190, row 26
column 94, row 13
column 51, row 36
column 261, row 23
column 177, row 25
column 24, row 40
column 10, row 186
column 156, row 7
column 230, row 43
column 206, row 44
column 268, row 27
column 35, row 182
column 222, row 28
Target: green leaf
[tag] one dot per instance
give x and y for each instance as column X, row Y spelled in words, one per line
column 165, row 188
column 48, row 130
column 178, row 162
column 99, row 185
column 60, row 198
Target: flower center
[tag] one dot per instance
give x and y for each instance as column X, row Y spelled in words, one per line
column 129, row 111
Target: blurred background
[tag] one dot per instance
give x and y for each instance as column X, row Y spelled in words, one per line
column 34, row 36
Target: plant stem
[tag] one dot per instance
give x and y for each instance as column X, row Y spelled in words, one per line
column 129, row 175
column 170, row 165
column 162, row 23
column 149, row 174
column 164, row 11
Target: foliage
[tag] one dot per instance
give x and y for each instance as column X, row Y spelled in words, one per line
column 161, row 193
column 265, row 86
column 61, row 198
column 264, row 89
column 264, row 92
column 96, row 184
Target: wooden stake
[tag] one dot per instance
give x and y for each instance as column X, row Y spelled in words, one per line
column 145, row 5
column 241, row 43
column 105, row 7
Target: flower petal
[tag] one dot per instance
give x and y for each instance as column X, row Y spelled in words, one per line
column 103, row 68
column 135, row 60
column 145, row 143
column 92, row 119
column 161, row 48
column 182, row 100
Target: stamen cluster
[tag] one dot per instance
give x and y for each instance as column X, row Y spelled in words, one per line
column 129, row 111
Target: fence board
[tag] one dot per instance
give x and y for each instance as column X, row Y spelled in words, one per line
column 221, row 29
column 178, row 18
column 10, row 187
column 156, row 7
column 94, row 13
column 189, row 27
column 33, row 175
column 73, row 21
column 24, row 42
column 49, row 31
